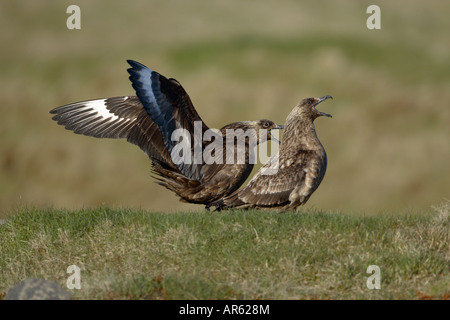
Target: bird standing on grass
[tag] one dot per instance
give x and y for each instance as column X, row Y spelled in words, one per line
column 149, row 120
column 289, row 178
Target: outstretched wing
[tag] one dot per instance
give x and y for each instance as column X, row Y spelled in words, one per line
column 102, row 118
column 116, row 118
column 170, row 108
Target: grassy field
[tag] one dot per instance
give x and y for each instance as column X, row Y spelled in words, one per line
column 387, row 143
column 137, row 254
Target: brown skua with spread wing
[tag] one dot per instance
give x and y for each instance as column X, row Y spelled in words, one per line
column 149, row 119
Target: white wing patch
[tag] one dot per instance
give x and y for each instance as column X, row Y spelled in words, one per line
column 93, row 118
column 99, row 106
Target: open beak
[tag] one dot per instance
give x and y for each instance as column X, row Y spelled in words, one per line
column 320, row 100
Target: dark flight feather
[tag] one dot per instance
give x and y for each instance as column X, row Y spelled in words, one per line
column 148, row 120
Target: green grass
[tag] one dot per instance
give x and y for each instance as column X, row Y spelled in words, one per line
column 387, row 143
column 137, row 254
column 387, row 146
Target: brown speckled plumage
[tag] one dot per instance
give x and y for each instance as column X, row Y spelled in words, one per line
column 300, row 166
column 148, row 121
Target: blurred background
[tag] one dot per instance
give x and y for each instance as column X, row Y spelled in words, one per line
column 387, row 143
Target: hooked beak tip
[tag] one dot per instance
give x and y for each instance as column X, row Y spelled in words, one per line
column 325, row 98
